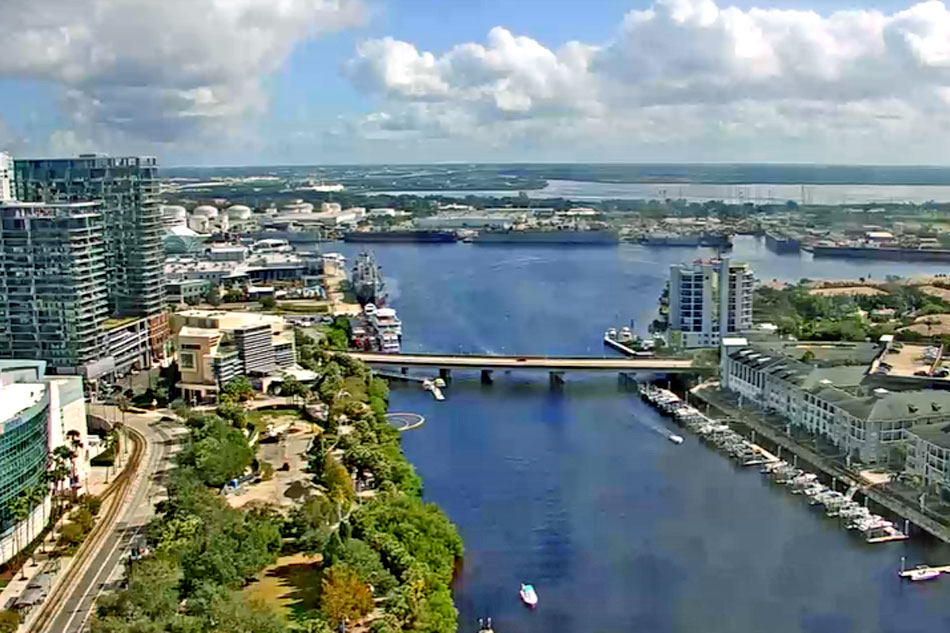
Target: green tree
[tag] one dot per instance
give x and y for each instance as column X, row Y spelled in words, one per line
column 268, row 303
column 239, row 388
column 367, row 564
column 213, row 296
column 9, row 621
column 232, row 412
column 292, row 388
column 344, row 597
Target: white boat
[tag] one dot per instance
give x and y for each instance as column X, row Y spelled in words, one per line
column 922, row 573
column 528, row 595
column 626, row 335
column 611, row 334
column 676, row 439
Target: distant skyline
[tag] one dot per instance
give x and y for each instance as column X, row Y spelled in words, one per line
column 254, row 82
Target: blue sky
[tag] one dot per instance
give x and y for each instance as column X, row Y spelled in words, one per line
column 340, row 81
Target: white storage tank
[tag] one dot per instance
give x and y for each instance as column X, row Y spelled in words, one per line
column 238, row 212
column 206, row 211
column 173, row 215
column 297, row 206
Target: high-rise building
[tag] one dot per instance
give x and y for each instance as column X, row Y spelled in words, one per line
column 83, row 265
column 37, row 414
column 53, row 290
column 6, row 177
column 709, row 299
column 132, row 219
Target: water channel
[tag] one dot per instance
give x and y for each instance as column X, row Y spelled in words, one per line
column 619, row 529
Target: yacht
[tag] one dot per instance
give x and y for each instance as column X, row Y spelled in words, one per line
column 676, row 439
column 626, row 335
column 922, row 572
column 528, row 595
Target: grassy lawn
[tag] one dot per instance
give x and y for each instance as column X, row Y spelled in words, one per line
column 260, row 418
column 291, row 586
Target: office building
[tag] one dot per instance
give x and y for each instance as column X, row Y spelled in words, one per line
column 53, row 291
column 37, row 414
column 6, row 177
column 216, row 346
column 709, row 299
column 93, row 274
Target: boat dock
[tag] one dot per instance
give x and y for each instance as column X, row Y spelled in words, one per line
column 909, row 573
column 432, row 385
column 626, row 351
column 840, row 505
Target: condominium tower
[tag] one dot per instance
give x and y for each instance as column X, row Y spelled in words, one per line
column 132, row 219
column 81, row 284
column 708, row 300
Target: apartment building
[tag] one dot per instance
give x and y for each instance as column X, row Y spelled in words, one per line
column 79, row 255
column 37, row 414
column 6, row 177
column 709, row 299
column 216, row 346
column 833, row 394
column 53, row 291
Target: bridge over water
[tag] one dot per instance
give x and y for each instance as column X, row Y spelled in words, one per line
column 556, row 365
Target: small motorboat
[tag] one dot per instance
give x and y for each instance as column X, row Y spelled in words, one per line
column 676, row 439
column 528, row 595
column 923, row 573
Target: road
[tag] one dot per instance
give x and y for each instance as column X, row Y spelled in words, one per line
column 72, row 612
column 550, row 363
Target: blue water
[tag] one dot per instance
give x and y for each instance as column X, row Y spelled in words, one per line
column 617, row 528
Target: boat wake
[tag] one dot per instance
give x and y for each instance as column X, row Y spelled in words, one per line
column 659, row 429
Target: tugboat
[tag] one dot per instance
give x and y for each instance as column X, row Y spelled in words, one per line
column 367, row 281
column 528, row 595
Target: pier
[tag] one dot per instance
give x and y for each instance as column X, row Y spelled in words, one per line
column 429, row 384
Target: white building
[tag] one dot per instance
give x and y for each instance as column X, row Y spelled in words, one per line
column 709, row 299
column 37, row 415
column 6, row 177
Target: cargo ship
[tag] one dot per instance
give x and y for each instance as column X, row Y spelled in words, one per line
column 713, row 240
column 367, row 281
column 440, row 237
column 586, row 238
column 884, row 253
column 781, row 244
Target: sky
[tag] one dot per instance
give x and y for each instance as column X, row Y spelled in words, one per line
column 253, row 82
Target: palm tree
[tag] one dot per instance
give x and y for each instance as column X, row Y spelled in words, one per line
column 20, row 509
column 62, row 465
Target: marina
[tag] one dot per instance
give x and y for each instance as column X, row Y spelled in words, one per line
column 841, row 505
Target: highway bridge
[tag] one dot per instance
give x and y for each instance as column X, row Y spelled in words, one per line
column 557, row 365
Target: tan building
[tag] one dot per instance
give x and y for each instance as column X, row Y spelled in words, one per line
column 215, row 346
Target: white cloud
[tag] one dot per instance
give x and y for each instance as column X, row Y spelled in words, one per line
column 851, row 85
column 160, row 70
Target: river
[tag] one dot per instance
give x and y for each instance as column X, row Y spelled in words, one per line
column 619, row 529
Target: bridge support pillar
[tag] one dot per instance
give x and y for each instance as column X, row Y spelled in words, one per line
column 445, row 374
column 626, row 380
column 556, row 379
column 404, row 370
column 487, row 377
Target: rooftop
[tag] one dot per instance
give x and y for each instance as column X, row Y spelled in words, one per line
column 900, row 405
column 938, row 434
column 16, row 397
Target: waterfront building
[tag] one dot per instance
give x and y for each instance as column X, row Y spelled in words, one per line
column 928, row 455
column 709, row 299
column 831, row 390
column 216, row 346
column 37, row 414
column 6, row 177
